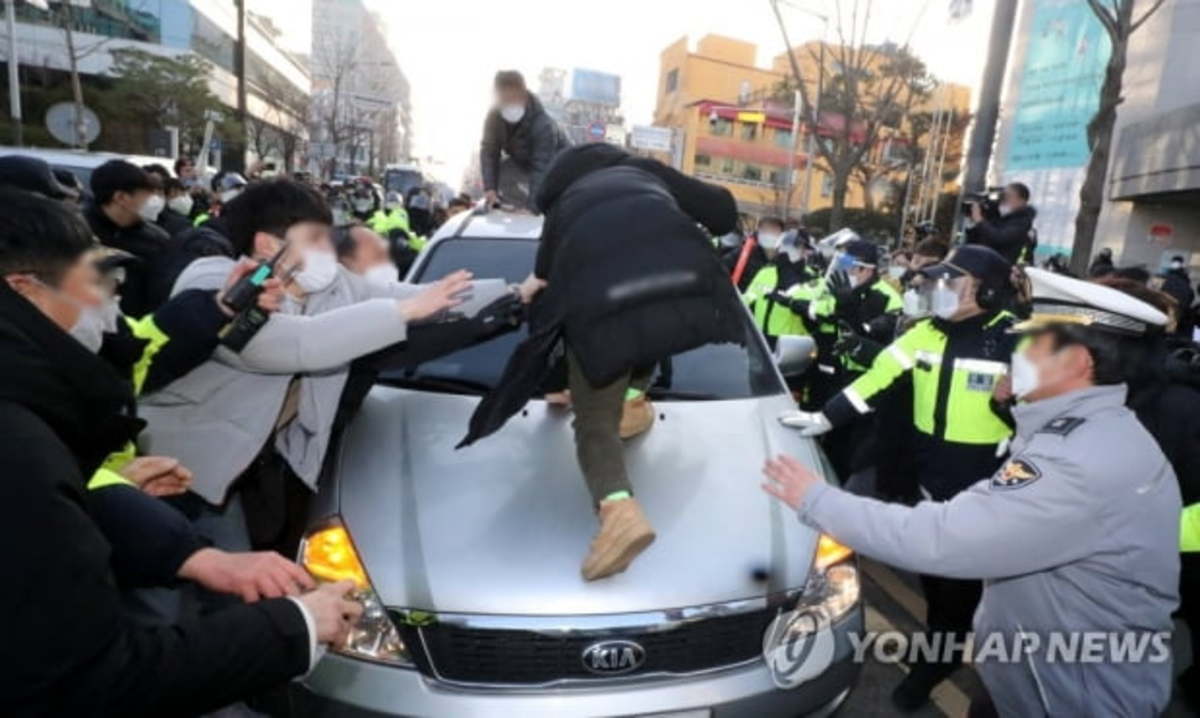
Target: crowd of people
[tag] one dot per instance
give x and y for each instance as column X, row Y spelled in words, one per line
column 163, row 475
column 181, row 355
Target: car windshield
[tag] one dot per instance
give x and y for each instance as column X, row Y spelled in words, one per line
column 715, row 371
column 401, row 181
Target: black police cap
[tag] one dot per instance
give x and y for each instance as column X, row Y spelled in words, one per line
column 976, row 260
column 33, row 175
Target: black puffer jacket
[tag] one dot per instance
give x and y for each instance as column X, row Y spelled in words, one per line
column 532, row 143
column 69, row 650
column 1009, row 235
column 631, row 279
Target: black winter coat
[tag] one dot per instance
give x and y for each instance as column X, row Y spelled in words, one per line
column 631, row 279
column 207, row 240
column 69, row 650
column 173, row 223
column 146, row 241
column 532, row 143
column 1008, row 234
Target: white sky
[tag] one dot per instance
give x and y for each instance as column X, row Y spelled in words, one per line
column 450, row 49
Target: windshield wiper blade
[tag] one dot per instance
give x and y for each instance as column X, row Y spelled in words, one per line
column 450, row 384
column 658, row 392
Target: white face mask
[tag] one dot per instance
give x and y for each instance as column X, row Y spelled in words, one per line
column 320, row 269
column 512, row 114
column 914, row 305
column 382, row 275
column 944, row 303
column 181, row 204
column 793, row 254
column 768, row 240
column 1005, row 210
column 1176, row 265
column 1024, row 375
column 896, row 271
column 229, row 194
column 152, row 207
column 362, row 205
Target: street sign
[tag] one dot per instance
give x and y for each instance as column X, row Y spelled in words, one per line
column 61, row 122
column 596, row 131
column 654, row 139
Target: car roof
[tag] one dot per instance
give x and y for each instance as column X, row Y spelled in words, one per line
column 492, row 224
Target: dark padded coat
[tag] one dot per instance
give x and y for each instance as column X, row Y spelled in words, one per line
column 69, row 650
column 631, row 278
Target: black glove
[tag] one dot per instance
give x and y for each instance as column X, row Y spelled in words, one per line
column 799, row 306
column 839, row 286
column 858, row 348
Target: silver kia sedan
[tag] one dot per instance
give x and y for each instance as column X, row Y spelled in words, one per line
column 468, row 561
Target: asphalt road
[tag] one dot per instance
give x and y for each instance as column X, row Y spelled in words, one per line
column 893, row 602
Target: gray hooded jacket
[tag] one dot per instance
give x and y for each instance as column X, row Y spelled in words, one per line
column 217, row 418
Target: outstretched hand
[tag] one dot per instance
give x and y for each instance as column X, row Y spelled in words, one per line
column 446, row 293
column 788, row 480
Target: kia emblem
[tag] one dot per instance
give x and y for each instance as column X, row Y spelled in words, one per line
column 613, row 658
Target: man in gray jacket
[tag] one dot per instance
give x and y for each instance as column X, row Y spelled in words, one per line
column 1075, row 536
column 254, row 426
column 519, row 141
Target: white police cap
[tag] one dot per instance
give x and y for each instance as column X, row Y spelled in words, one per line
column 1058, row 299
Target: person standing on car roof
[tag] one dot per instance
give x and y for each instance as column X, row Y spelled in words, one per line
column 519, row 142
column 953, row 361
column 124, row 205
column 1076, row 535
column 629, row 280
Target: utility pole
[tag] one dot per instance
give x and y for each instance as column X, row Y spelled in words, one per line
column 983, row 133
column 14, row 81
column 238, row 161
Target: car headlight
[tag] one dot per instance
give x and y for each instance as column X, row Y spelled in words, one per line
column 800, row 644
column 833, row 587
column 329, row 554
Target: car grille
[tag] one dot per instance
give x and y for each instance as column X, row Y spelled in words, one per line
column 474, row 655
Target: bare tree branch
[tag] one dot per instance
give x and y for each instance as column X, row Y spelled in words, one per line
column 1107, row 19
column 1146, row 15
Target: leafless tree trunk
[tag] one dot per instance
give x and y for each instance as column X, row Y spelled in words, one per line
column 866, row 87
column 1118, row 22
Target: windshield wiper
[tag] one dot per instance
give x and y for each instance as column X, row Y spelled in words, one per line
column 658, row 392
column 429, row 382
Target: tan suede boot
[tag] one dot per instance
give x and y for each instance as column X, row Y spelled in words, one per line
column 637, row 416
column 624, row 533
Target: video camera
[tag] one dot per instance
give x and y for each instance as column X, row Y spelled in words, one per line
column 988, row 201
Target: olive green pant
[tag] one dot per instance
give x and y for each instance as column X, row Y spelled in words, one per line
column 598, row 445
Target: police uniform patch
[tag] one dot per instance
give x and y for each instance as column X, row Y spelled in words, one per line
column 978, row 381
column 1016, row 473
column 1062, row 426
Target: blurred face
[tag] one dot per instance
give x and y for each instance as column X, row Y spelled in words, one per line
column 509, row 96
column 187, row 171
column 125, row 207
column 370, row 250
column 1012, row 200
column 1044, row 370
column 64, row 302
column 860, row 274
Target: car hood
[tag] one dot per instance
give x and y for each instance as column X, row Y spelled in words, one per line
column 502, row 527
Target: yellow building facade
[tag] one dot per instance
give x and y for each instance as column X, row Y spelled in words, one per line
column 737, row 133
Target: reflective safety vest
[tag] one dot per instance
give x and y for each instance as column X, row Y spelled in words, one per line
column 952, row 379
column 384, row 221
column 201, row 219
column 109, row 472
column 773, row 319
column 1189, row 529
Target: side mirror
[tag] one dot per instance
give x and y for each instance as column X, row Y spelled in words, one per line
column 794, row 354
